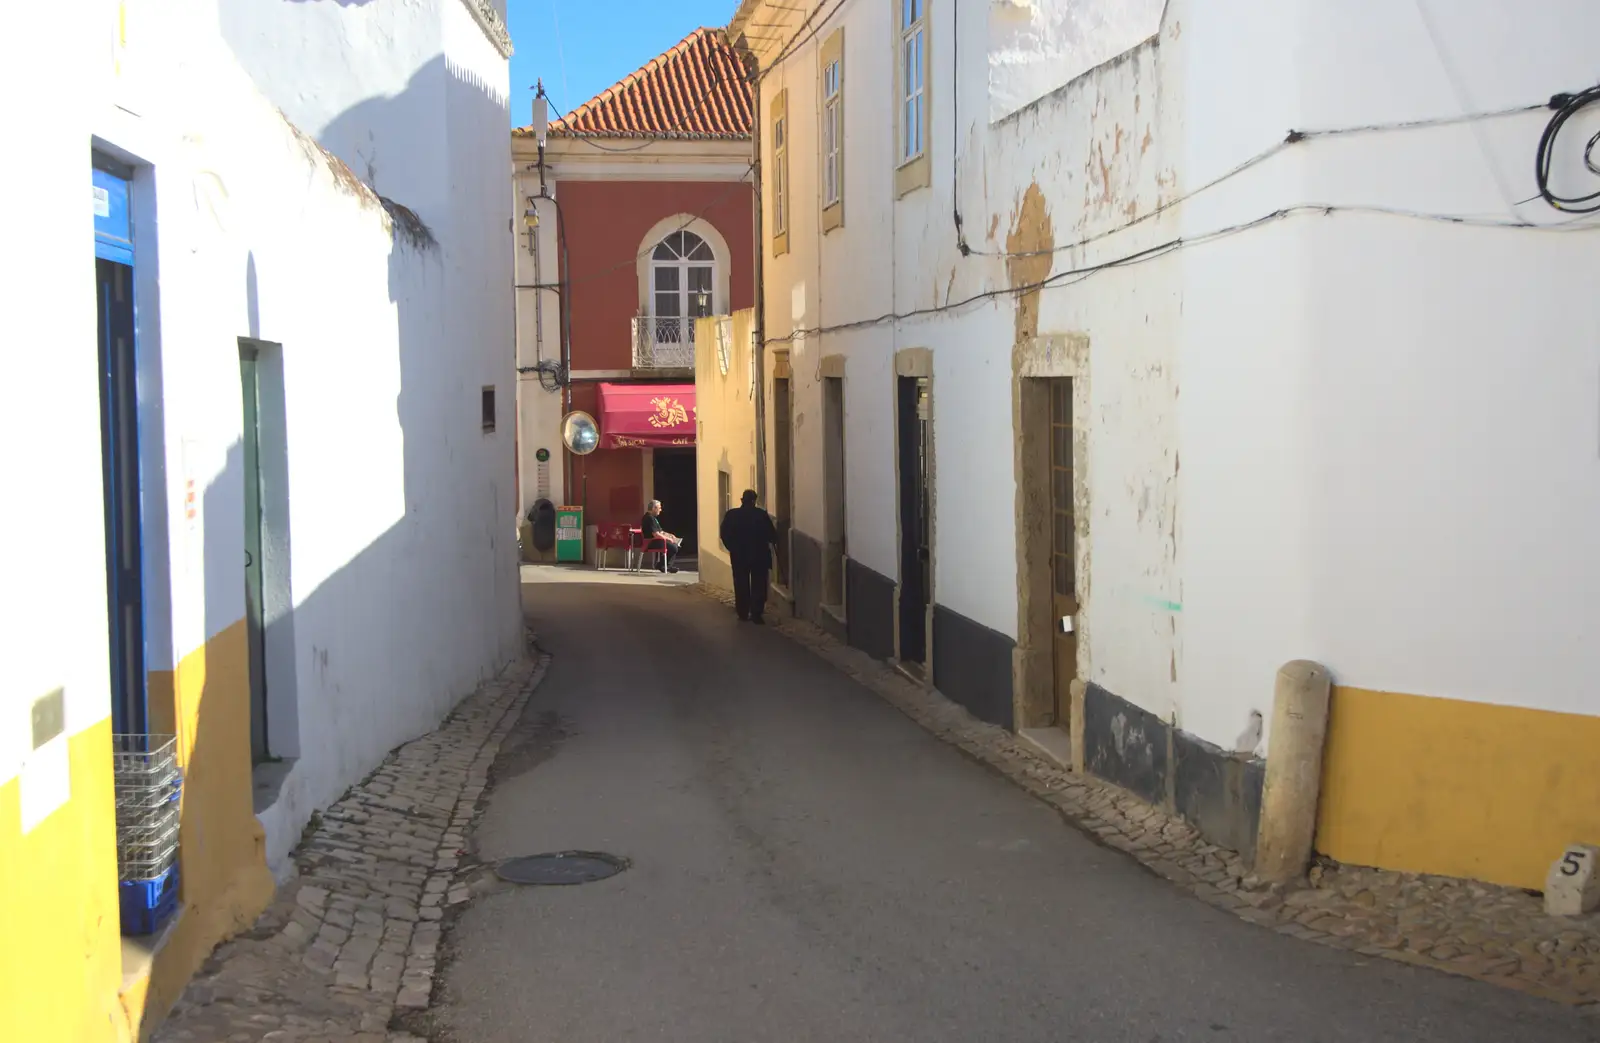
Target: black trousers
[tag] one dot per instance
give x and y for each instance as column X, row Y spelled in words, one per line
column 750, row 589
column 666, row 559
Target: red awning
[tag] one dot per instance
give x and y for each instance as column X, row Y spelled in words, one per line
column 646, row 415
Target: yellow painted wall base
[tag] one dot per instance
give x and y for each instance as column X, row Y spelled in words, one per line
column 60, row 938
column 61, row 973
column 715, row 571
column 226, row 884
column 1460, row 789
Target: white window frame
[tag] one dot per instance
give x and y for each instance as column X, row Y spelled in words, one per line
column 913, row 80
column 685, row 316
column 832, row 132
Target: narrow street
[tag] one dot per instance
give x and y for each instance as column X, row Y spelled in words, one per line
column 809, row 864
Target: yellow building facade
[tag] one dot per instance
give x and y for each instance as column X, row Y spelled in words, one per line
column 725, row 439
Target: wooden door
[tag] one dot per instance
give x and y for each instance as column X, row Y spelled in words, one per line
column 1063, row 568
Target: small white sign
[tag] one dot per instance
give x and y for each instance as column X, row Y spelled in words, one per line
column 102, row 202
column 1066, row 624
column 1573, row 887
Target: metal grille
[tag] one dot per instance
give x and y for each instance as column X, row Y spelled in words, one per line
column 562, row 868
column 147, row 783
column 1061, row 513
column 663, row 342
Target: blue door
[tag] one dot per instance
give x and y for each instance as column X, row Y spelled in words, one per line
column 119, row 434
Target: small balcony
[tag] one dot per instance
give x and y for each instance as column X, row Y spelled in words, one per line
column 663, row 343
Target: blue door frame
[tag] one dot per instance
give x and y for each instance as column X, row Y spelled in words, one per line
column 119, row 434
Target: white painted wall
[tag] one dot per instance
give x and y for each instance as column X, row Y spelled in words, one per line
column 1037, row 45
column 1321, row 437
column 1477, row 373
column 51, row 538
column 366, row 80
column 398, row 589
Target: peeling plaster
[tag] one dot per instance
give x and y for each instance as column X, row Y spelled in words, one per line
column 1030, row 233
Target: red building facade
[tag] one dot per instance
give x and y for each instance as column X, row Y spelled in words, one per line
column 638, row 219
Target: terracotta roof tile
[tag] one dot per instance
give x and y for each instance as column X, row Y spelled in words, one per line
column 695, row 90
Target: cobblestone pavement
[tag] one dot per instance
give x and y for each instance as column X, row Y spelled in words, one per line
column 1495, row 934
column 352, row 941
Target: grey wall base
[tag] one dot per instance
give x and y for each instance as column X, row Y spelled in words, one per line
column 1216, row 791
column 805, row 575
column 869, row 600
column 972, row 666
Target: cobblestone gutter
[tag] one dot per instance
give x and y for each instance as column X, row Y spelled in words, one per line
column 1494, row 934
column 354, row 939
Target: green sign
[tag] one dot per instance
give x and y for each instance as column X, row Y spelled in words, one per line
column 543, row 456
column 569, row 533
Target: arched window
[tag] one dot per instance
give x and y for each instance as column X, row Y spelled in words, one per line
column 682, row 274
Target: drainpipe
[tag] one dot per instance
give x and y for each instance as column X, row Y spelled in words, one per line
column 753, row 70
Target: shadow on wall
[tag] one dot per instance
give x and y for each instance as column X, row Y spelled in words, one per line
column 281, row 717
column 379, row 650
column 205, row 703
column 439, row 587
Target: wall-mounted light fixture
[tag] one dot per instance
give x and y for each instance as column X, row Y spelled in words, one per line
column 530, row 218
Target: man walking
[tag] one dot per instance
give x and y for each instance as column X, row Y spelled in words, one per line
column 749, row 535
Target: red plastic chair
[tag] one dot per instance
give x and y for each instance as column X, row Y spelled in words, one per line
column 611, row 536
column 644, row 547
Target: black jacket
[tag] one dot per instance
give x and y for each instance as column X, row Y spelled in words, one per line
column 749, row 534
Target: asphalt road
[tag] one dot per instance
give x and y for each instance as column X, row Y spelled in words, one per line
column 809, row 865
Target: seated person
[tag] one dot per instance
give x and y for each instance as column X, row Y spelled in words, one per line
column 652, row 530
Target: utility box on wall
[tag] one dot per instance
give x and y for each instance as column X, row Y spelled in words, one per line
column 569, row 533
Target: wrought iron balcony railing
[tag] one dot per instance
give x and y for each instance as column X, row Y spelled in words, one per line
column 663, row 342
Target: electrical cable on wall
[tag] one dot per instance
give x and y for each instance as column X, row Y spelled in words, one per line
column 1293, row 137
column 559, row 373
column 553, row 375
column 955, row 135
column 700, row 215
column 1566, row 106
column 1077, row 275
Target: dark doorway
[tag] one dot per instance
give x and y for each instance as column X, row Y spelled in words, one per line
column 834, row 547
column 782, row 464
column 254, row 585
column 119, row 440
column 916, row 580
column 674, row 483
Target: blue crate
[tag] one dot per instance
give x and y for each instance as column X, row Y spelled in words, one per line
column 147, row 904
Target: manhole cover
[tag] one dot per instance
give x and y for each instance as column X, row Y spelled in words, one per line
column 565, row 867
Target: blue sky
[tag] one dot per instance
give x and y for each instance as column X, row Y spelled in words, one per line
column 595, row 45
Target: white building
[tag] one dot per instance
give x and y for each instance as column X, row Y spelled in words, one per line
column 290, row 303
column 1230, row 334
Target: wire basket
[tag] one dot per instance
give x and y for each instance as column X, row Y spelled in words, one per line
column 147, row 784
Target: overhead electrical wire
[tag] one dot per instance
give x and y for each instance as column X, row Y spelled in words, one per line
column 716, row 200
column 801, row 36
column 1293, row 137
column 670, row 134
column 1079, row 274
